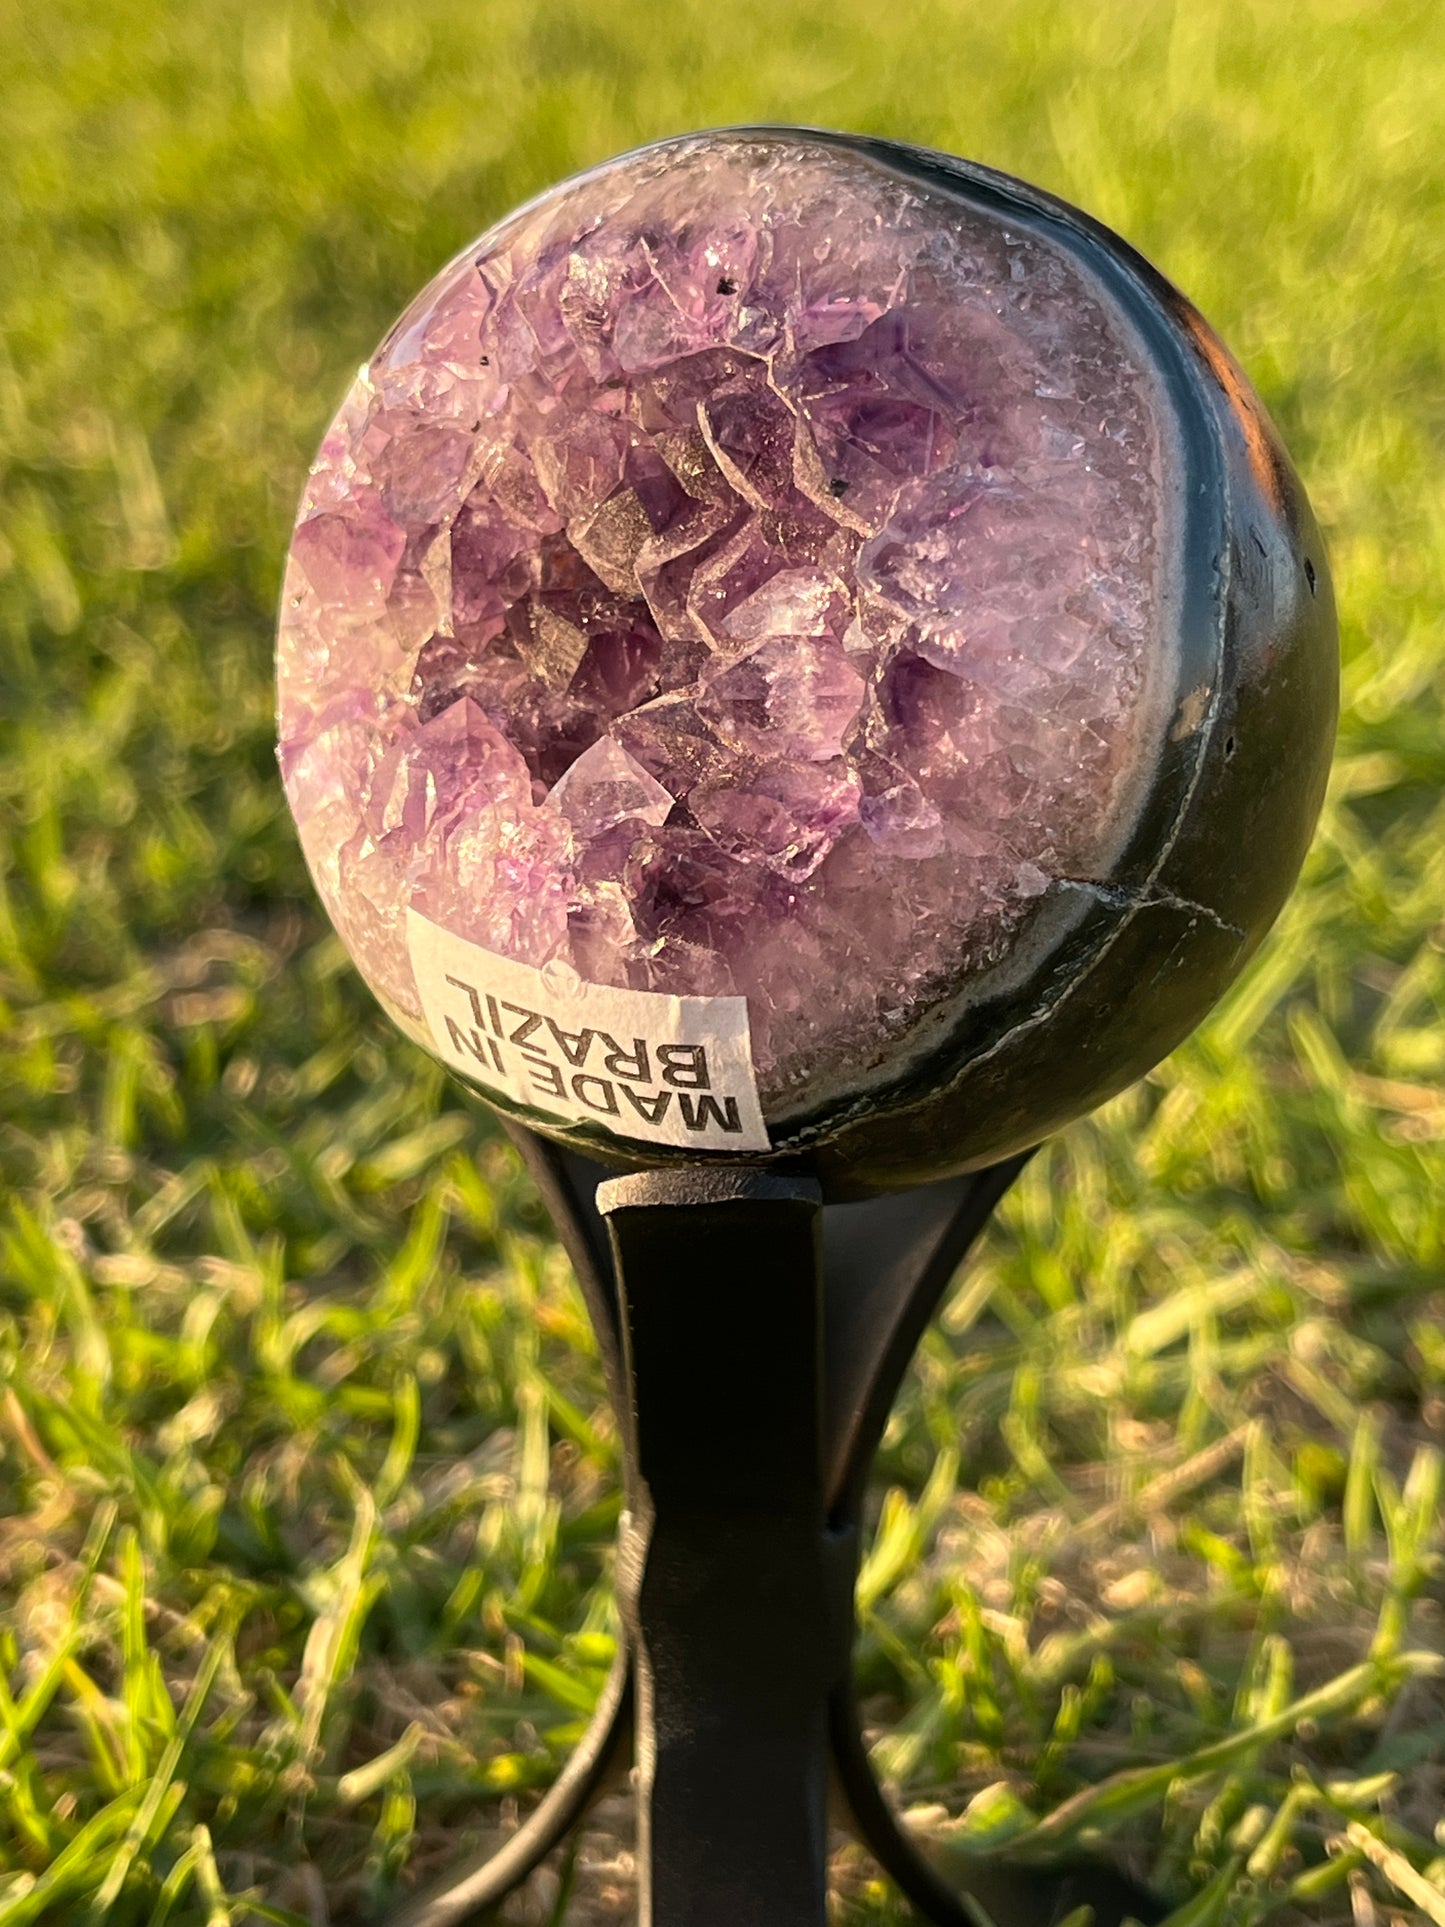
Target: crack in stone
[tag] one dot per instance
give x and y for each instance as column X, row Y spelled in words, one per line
column 1147, row 897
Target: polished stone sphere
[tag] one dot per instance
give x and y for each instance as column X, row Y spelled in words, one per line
column 800, row 648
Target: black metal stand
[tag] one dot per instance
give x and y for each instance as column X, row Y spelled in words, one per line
column 753, row 1344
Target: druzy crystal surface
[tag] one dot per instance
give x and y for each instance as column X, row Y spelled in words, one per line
column 739, row 573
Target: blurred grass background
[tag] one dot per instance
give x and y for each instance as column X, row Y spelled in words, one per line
column 306, row 1476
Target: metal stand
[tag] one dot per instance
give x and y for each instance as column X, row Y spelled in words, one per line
column 753, row 1344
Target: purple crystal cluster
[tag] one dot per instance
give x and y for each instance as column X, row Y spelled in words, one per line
column 737, row 574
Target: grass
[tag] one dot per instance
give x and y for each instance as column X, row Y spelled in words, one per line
column 305, row 1473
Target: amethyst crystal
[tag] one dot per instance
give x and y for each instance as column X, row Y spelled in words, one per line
column 738, row 574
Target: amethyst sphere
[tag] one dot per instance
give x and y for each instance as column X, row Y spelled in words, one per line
column 818, row 603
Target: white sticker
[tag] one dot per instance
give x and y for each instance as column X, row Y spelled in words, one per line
column 658, row 1069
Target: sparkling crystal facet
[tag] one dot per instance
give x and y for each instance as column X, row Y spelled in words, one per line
column 739, row 573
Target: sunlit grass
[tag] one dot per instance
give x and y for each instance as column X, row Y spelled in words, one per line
column 307, row 1476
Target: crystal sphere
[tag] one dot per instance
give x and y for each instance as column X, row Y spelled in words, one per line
column 759, row 636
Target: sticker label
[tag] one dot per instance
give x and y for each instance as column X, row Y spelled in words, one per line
column 658, row 1069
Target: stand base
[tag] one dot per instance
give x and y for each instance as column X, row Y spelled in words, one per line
column 997, row 1893
column 753, row 1345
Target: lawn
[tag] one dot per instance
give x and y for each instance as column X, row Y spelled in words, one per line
column 306, row 1477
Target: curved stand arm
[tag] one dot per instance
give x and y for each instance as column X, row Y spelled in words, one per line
column 478, row 1885
column 993, row 1891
